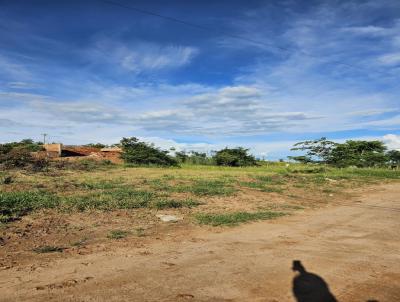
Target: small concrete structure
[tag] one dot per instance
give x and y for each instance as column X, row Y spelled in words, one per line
column 53, row 150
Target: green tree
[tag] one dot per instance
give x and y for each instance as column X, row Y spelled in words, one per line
column 96, row 145
column 394, row 157
column 359, row 154
column 141, row 153
column 318, row 150
column 181, row 156
column 236, row 157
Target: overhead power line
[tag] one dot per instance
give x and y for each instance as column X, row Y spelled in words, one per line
column 227, row 34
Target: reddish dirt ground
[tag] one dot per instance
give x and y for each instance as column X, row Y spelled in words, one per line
column 353, row 246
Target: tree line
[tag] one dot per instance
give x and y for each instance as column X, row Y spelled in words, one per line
column 358, row 153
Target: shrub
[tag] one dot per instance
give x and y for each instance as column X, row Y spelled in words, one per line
column 141, row 153
column 16, row 158
column 82, row 164
column 39, row 164
column 237, row 157
column 6, row 180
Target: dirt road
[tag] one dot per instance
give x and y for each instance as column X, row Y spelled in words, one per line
column 355, row 248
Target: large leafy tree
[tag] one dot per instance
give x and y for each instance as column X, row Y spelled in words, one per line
column 318, row 150
column 359, row 154
column 141, row 153
column 351, row 153
column 236, row 157
column 394, row 157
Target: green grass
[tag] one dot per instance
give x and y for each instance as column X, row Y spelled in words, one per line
column 203, row 187
column 118, row 234
column 261, row 187
column 122, row 198
column 270, row 179
column 16, row 204
column 48, row 249
column 235, row 218
column 172, row 203
column 163, row 188
column 99, row 185
column 198, row 187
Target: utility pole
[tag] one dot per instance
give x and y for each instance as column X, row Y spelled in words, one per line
column 44, row 138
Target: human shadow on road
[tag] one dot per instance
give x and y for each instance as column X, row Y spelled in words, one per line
column 309, row 287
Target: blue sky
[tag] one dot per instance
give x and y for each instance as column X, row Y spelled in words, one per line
column 90, row 71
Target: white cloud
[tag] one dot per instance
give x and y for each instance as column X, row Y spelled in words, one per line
column 388, row 123
column 390, row 59
column 154, row 58
column 392, row 141
column 369, row 30
column 139, row 56
column 372, row 112
column 13, row 70
column 21, row 85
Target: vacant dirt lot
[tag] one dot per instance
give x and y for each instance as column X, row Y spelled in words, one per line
column 353, row 245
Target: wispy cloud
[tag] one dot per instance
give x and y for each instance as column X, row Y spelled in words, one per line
column 140, row 56
column 390, row 59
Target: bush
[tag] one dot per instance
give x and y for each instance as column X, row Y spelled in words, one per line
column 81, row 164
column 141, row 153
column 16, row 158
column 237, row 157
column 27, row 144
column 6, row 180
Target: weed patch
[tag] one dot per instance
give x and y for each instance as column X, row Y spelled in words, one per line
column 16, row 204
column 123, row 198
column 100, row 185
column 118, row 234
column 208, row 188
column 171, row 203
column 235, row 218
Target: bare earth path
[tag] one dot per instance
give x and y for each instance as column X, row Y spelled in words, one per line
column 355, row 249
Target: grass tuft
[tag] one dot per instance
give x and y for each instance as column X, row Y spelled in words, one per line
column 172, row 203
column 235, row 218
column 118, row 234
